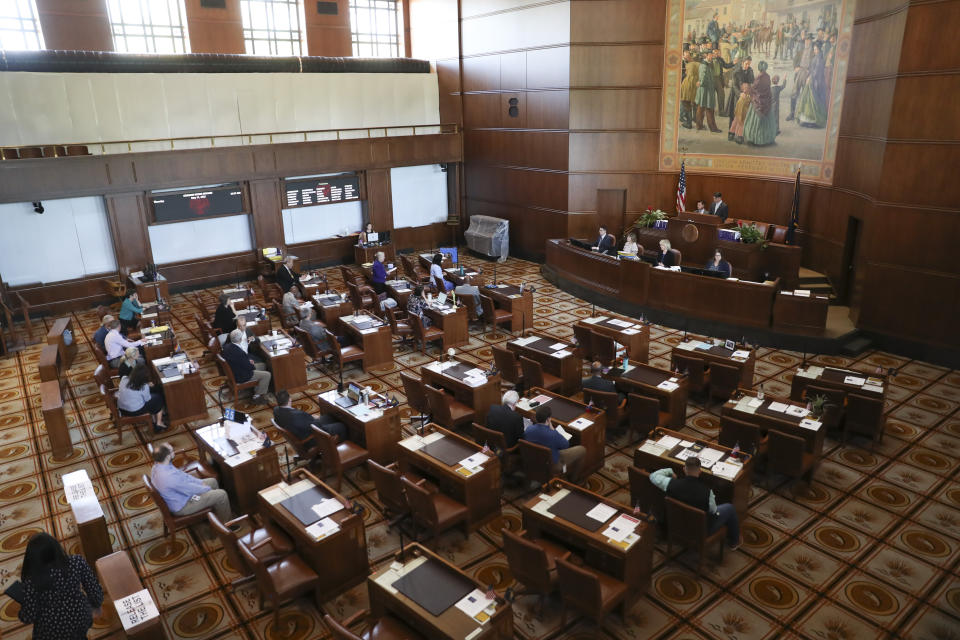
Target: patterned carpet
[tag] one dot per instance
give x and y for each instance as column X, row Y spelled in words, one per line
column 870, row 550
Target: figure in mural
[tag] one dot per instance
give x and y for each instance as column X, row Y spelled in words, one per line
column 743, row 74
column 688, row 89
column 813, row 98
column 740, row 114
column 759, row 128
column 707, row 94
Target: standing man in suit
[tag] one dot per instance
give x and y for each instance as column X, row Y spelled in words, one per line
column 286, row 277
column 606, row 242
column 505, row 419
column 299, row 422
column 719, row 207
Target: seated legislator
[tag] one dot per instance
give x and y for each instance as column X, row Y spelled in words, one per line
column 131, row 356
column 184, row 493
column 115, row 344
column 505, row 419
column 719, row 264
column 436, row 272
column 245, row 368
column 567, row 460
column 291, row 304
column 665, row 257
column 224, row 318
column 719, row 207
column 317, row 330
column 130, row 312
column 702, row 207
column 298, row 422
column 596, row 381
column 379, row 278
column 416, row 304
column 606, row 243
column 286, row 276
column 101, row 333
column 365, row 234
column 690, row 490
column 631, row 246
column 136, row 396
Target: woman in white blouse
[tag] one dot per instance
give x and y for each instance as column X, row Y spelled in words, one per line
column 630, row 246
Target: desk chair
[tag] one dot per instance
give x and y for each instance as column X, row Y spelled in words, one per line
column 433, row 511
column 724, row 381
column 735, row 432
column 438, row 284
column 364, row 298
column 384, row 628
column 337, row 457
column 269, row 291
column 534, row 375
column 610, row 403
column 591, row 592
column 677, row 257
column 101, row 375
column 533, row 563
column 422, row 334
column 864, row 417
column 314, row 352
column 343, row 354
column 386, row 479
column 101, row 358
column 471, row 304
column 833, row 406
column 413, row 388
column 193, row 467
column 413, row 271
column 268, row 543
column 281, row 580
column 494, row 316
column 643, row 414
column 699, row 373
column 172, row 523
column 120, row 421
column 306, row 449
column 779, row 235
column 687, row 526
column 350, row 276
column 447, row 411
column 644, row 493
column 584, row 338
column 399, row 324
column 603, row 347
column 495, row 440
column 787, row 455
column 235, row 387
column 207, row 332
column 27, row 321
column 536, row 461
column 506, row 362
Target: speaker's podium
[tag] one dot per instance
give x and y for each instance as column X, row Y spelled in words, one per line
column 366, row 252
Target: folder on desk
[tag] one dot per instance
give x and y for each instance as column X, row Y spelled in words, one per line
column 300, row 506
column 434, row 586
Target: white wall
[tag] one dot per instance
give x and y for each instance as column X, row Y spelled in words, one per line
column 304, row 224
column 62, row 108
column 178, row 241
column 71, row 239
column 419, row 195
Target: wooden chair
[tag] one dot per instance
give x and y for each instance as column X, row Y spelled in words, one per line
column 494, row 316
column 533, row 563
column 413, row 271
column 268, row 543
column 735, row 432
column 724, row 381
column 698, row 377
column 787, row 455
column 235, row 387
column 399, row 324
column 446, row 410
column 433, row 511
column 497, row 442
column 603, row 348
column 471, row 304
column 590, row 592
column 506, row 362
column 364, row 298
column 193, row 467
column 643, row 414
column 584, row 338
column 384, row 628
column 677, row 257
column 386, row 479
column 610, row 403
column 337, row 457
column 313, row 351
column 413, row 388
column 646, row 495
column 102, row 377
column 422, row 334
column 864, row 417
column 534, row 375
column 779, row 234
column 101, row 358
column 350, row 276
column 833, row 406
column 281, row 580
column 687, row 526
column 27, row 321
column 306, row 449
column 349, row 353
column 536, row 461
column 120, row 421
column 172, row 523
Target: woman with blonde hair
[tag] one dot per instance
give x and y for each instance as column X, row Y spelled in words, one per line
column 665, row 257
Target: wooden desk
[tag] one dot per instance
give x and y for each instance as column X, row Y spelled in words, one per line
column 509, row 297
column 88, row 515
column 453, row 321
column 470, row 276
column 765, row 419
column 55, row 420
column 330, row 307
column 241, row 475
column 286, row 363
column 151, row 291
column 538, row 347
column 363, row 255
column 593, row 437
column 800, row 314
column 634, row 336
column 377, row 431
column 119, row 579
column 426, row 261
column 630, row 564
column 340, row 559
column 157, row 344
column 400, row 290
column 375, row 340
column 479, row 492
column 835, row 378
column 258, row 322
column 184, row 397
column 48, row 366
column 692, row 347
column 646, row 379
column 480, row 398
column 55, row 337
column 735, row 491
column 451, row 624
column 155, row 312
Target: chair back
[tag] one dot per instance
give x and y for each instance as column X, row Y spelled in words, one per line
column 327, row 446
column 334, row 345
column 785, row 453
column 408, row 268
column 833, row 407
column 421, row 504
column 439, row 407
column 645, row 494
column 864, row 415
column 532, row 372
column 349, row 276
column 489, row 309
column 506, row 362
column 677, row 257
column 724, row 380
column 471, row 304
column 388, row 485
column 305, row 448
column 416, row 394
column 536, row 460
column 603, row 348
column 416, row 323
column 159, row 501
column 527, row 561
column 734, row 432
column 339, row 631
column 102, row 376
column 779, row 235
column 227, row 371
column 581, row 586
column 643, row 413
column 697, row 367
column 609, row 401
column 584, row 338
column 394, row 326
column 98, row 354
column 228, row 540
column 264, row 579
column 110, row 398
column 686, row 524
column 489, row 437
column 304, row 338
column 439, row 283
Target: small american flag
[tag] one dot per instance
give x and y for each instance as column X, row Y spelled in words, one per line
column 682, row 188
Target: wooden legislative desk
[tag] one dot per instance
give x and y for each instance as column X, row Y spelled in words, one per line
column 88, row 515
column 375, row 340
column 450, row 624
column 56, row 337
column 453, row 379
column 765, row 418
column 48, row 366
column 426, row 261
column 183, row 392
column 647, row 380
column 376, row 430
column 697, row 347
column 453, row 321
column 400, row 290
column 437, row 455
column 735, row 490
column 634, row 336
column 330, row 307
column 119, row 579
column 365, row 254
column 55, row 420
column 155, row 312
column 546, row 516
column 509, row 297
column 592, row 436
column 157, row 344
column 470, row 276
column 837, row 378
column 340, row 558
column 244, row 473
column 800, row 314
column 539, row 347
column 150, row 291
column 258, row 322
column 284, row 358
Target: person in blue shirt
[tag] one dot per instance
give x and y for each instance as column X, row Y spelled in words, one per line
column 717, row 263
column 184, row 493
column 130, row 312
column 379, row 279
column 567, row 460
column 690, row 490
column 436, row 273
column 101, row 334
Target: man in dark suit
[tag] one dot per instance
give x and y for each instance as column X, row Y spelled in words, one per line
column 244, row 368
column 719, row 207
column 690, row 490
column 505, row 419
column 286, row 277
column 596, row 381
column 606, row 243
column 299, row 422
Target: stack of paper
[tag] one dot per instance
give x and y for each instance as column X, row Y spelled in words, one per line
column 602, row 512
column 724, row 470
column 652, row 448
column 475, row 381
column 631, row 332
column 873, row 388
column 520, row 342
column 433, row 437
column 621, row 323
column 668, row 442
column 711, row 454
column 794, row 410
column 666, row 385
column 595, row 319
column 580, row 424
column 621, row 528
column 413, row 443
column 813, row 425
column 564, row 433
column 327, row 507
column 477, row 605
column 323, row 528
column 854, row 380
column 475, row 461
column 740, row 354
column 779, row 407
column 562, row 353
column 686, row 346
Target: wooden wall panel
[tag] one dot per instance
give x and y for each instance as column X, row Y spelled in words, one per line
column 61, row 297
column 539, row 25
column 866, row 58
column 328, row 35
column 523, row 187
column 616, row 21
column 128, row 228
column 615, row 109
column 866, row 108
column 81, row 25
column 215, row 30
column 265, row 209
column 379, row 200
column 915, row 173
column 616, row 66
column 613, row 151
column 920, row 97
column 547, row 109
column 548, row 68
column 448, row 80
column 539, row 149
column 929, row 40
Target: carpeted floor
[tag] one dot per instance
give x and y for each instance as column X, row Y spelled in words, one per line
column 870, row 550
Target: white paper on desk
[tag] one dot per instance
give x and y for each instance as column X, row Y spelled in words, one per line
column 542, row 399
column 686, row 443
column 144, row 316
column 779, row 407
column 433, row 437
column 754, row 403
column 711, row 454
column 794, row 410
column 595, row 319
column 77, row 486
column 724, row 470
column 475, row 382
column 327, row 507
column 475, row 373
column 746, row 404
column 542, row 508
column 813, row 425
column 856, row 380
column 621, row 323
column 580, row 424
column 623, row 526
column 666, row 385
column 563, row 353
column 686, row 453
column 740, row 353
column 558, row 345
column 240, row 458
column 668, row 442
column 475, row 461
column 686, row 346
column 786, row 293
column 630, row 332
column 803, row 293
column 474, row 603
column 520, row 342
column 86, row 509
column 652, row 448
column 412, row 443
column 273, row 495
column 136, row 608
column 872, row 387
column 602, row 512
column 564, row 433
column 323, row 528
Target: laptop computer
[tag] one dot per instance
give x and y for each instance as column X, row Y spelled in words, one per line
column 351, row 398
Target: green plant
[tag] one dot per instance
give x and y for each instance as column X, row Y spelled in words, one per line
column 817, row 405
column 650, row 216
column 751, row 235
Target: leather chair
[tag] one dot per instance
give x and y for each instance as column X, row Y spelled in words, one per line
column 533, row 563
column 787, row 455
column 677, row 257
column 735, row 432
column 494, row 316
column 864, row 417
column 364, row 298
column 603, row 348
column 536, row 461
column 593, row 593
column 535, row 376
column 350, row 276
column 422, row 334
column 281, row 580
column 439, row 284
column 447, row 411
column 386, row 479
column 471, row 305
column 610, row 403
column 779, row 234
column 306, row 449
column 384, row 628
column 495, row 440
column 584, row 338
column 268, row 543
column 687, row 526
column 101, row 375
column 101, row 358
column 643, row 414
column 506, row 362
column 696, row 370
column 399, row 323
column 235, row 387
column 724, row 381
column 433, row 511
column 646, row 495
column 413, row 271
column 336, row 457
column 413, row 388
column 172, row 523
column 193, row 467
column 120, row 421
column 833, row 407
column 349, row 353
column 313, row 351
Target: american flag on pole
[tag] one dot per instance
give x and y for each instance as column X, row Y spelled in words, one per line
column 682, row 188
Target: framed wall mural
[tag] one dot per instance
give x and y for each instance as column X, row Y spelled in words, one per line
column 754, row 87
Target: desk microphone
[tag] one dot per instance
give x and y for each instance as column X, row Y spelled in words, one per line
column 220, row 403
column 286, row 453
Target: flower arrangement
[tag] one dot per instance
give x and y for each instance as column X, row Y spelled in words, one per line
column 650, row 216
column 750, row 234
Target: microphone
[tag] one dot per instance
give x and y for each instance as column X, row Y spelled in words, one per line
column 403, row 558
column 220, row 403
column 340, row 382
column 286, row 453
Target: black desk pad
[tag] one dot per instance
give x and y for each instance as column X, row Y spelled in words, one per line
column 434, row 586
column 459, row 370
column 564, row 410
column 301, row 505
column 651, row 377
column 448, row 451
column 573, row 507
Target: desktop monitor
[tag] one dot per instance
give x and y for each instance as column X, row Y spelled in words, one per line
column 373, row 236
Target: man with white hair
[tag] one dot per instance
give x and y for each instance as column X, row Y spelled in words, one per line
column 317, row 330
column 505, row 419
column 286, row 276
column 244, row 367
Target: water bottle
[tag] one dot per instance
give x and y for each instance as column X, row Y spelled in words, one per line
column 760, row 392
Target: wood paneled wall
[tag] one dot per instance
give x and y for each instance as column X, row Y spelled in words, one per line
column 328, row 34
column 215, row 30
column 81, row 25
